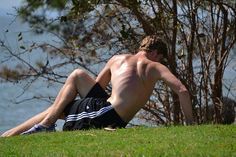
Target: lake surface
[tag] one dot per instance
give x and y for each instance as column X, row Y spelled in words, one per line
column 12, row 114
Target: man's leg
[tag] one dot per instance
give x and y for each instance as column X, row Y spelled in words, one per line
column 78, row 82
column 26, row 125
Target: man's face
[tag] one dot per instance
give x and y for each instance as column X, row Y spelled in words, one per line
column 157, row 57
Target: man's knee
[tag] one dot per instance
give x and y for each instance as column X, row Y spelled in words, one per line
column 82, row 81
column 78, row 74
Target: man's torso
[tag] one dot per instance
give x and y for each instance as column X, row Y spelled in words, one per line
column 133, row 79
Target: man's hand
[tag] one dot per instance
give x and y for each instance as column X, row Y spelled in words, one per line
column 189, row 122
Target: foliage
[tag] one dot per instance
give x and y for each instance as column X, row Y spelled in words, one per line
column 200, row 36
column 165, row 141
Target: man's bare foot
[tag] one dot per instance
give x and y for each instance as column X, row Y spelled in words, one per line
column 8, row 133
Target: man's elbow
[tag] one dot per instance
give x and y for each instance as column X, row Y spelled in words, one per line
column 183, row 91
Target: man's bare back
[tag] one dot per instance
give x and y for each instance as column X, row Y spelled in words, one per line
column 132, row 84
column 133, row 78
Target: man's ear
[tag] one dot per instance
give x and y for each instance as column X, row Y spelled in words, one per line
column 154, row 53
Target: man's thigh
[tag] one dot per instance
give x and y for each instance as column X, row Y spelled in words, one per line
column 84, row 82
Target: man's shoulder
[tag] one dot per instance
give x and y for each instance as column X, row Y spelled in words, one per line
column 120, row 57
column 156, row 64
column 157, row 67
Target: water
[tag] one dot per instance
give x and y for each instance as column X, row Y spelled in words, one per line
column 12, row 114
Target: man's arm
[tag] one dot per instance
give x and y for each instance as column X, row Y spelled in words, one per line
column 180, row 89
column 104, row 76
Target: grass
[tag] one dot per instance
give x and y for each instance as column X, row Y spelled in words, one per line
column 205, row 140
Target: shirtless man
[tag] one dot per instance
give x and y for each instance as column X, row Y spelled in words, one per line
column 132, row 78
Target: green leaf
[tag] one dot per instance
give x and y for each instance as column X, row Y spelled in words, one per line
column 63, row 19
column 20, row 34
column 20, row 38
column 22, row 47
column 75, row 2
column 124, row 34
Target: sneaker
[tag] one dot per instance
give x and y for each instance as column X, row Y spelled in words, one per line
column 39, row 128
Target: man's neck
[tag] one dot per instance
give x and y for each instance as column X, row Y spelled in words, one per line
column 146, row 55
column 142, row 54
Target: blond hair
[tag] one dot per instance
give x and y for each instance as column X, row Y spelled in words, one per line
column 154, row 42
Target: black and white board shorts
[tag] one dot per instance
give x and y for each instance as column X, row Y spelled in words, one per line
column 93, row 111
